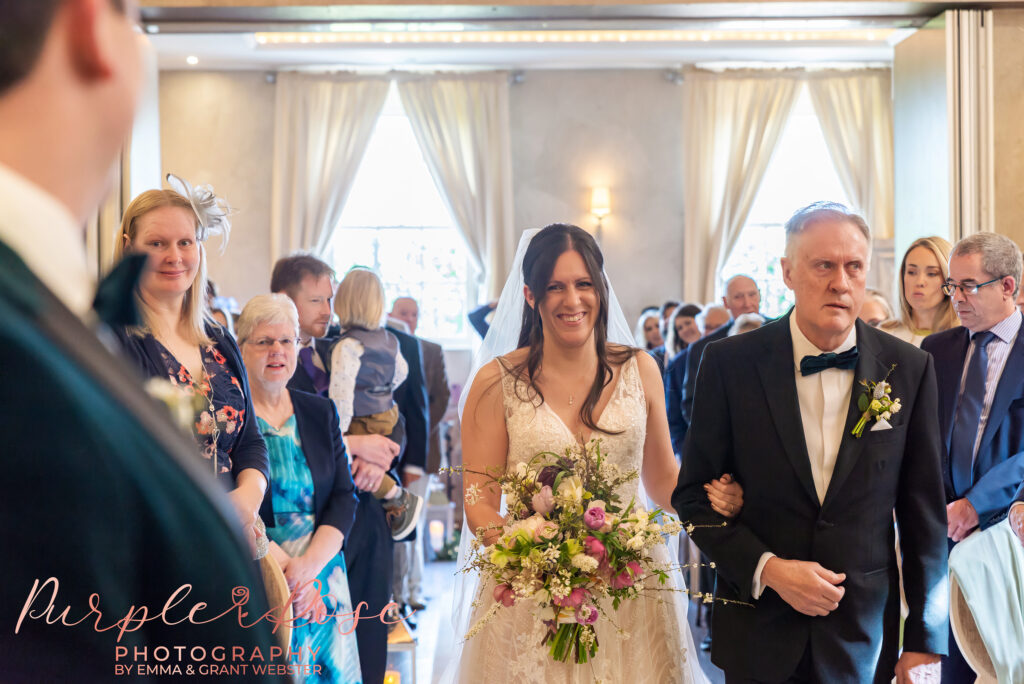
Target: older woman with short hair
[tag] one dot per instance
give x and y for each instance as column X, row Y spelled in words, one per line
column 311, row 503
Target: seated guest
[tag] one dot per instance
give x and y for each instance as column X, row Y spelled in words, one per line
column 179, row 342
column 979, row 370
column 924, row 309
column 647, row 333
column 366, row 368
column 681, row 334
column 746, row 323
column 713, row 317
column 665, row 312
column 311, row 503
column 875, row 309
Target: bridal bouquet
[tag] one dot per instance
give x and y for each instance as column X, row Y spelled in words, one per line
column 567, row 543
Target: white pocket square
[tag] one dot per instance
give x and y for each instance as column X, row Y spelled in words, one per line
column 881, row 424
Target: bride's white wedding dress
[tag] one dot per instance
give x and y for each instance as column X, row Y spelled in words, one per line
column 659, row 648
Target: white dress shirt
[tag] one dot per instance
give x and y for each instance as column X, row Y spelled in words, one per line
column 998, row 349
column 46, row 236
column 824, row 400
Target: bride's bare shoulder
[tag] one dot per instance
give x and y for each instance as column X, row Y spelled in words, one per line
column 514, row 357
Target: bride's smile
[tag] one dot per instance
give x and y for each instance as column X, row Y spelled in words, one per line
column 570, row 300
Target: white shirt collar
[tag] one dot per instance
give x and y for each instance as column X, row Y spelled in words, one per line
column 804, row 347
column 45, row 235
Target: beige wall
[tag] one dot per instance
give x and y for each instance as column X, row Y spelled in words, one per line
column 572, row 130
column 218, row 128
column 921, row 139
column 1007, row 112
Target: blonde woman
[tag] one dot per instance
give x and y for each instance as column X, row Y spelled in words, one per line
column 924, row 308
column 366, row 367
column 179, row 342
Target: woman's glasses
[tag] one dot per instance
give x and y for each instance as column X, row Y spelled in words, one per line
column 266, row 343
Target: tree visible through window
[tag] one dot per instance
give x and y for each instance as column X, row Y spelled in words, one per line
column 800, row 172
column 395, row 222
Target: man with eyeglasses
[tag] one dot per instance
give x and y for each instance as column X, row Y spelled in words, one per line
column 980, row 373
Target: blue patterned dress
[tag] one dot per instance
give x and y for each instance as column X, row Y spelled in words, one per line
column 291, row 486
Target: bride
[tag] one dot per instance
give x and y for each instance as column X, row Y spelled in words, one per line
column 552, row 372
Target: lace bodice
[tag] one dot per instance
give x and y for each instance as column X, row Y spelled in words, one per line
column 534, row 427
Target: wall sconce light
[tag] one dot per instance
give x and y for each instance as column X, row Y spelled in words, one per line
column 600, row 206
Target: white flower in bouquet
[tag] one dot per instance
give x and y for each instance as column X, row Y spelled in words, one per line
column 636, row 542
column 584, row 562
column 571, row 489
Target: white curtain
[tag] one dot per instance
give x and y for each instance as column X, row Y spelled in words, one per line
column 462, row 125
column 855, row 112
column 323, row 124
column 732, row 124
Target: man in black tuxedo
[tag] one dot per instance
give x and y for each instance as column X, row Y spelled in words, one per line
column 741, row 296
column 813, row 548
column 104, row 494
column 980, row 372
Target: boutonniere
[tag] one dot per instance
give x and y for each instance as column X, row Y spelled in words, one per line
column 876, row 402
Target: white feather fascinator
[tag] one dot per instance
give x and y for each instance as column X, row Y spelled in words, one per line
column 211, row 210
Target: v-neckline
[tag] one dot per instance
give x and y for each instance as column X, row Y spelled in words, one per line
column 597, row 421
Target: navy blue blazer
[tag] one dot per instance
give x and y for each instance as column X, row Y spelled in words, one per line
column 694, row 353
column 250, row 450
column 999, row 464
column 334, row 497
column 675, row 376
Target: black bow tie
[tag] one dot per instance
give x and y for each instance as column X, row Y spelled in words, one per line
column 115, row 295
column 809, row 365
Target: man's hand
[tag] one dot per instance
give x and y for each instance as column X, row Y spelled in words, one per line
column 806, row 586
column 725, row 495
column 918, row 668
column 1017, row 520
column 367, row 476
column 961, row 518
column 376, row 449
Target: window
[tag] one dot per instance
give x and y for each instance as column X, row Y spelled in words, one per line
column 396, row 223
column 799, row 173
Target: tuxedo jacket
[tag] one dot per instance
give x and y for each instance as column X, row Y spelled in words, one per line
column 438, row 394
column 999, row 463
column 319, row 428
column 106, row 495
column 747, row 422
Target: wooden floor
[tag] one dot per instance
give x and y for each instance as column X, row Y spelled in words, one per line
column 435, row 637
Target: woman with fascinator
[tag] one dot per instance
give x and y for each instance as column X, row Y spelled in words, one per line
column 557, row 368
column 180, row 342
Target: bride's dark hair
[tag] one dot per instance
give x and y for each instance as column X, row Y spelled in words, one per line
column 538, row 265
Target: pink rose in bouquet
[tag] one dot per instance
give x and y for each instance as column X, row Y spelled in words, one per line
column 575, row 598
column 594, row 518
column 593, row 547
column 546, row 531
column 625, row 578
column 586, row 614
column 504, row 595
column 544, row 500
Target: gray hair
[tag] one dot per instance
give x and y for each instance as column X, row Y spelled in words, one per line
column 268, row 308
column 1000, row 256
column 822, row 211
column 702, row 317
column 745, row 323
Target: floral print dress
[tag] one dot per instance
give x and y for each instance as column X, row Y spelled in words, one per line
column 220, row 407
